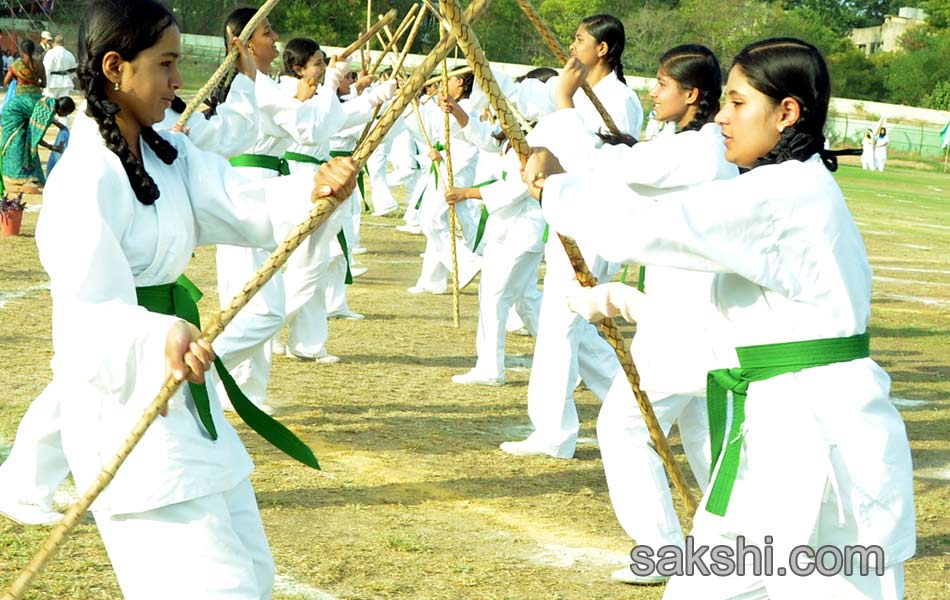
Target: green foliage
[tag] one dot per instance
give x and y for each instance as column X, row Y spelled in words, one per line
column 853, row 75
column 912, row 74
column 938, row 12
column 940, row 98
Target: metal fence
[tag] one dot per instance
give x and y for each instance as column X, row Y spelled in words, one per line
column 922, row 139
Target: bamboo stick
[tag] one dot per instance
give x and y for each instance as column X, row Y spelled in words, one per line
column 476, row 58
column 370, row 32
column 449, row 184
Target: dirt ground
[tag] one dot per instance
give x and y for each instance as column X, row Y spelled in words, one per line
column 415, row 500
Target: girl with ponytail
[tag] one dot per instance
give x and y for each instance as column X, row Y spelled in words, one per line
column 122, row 214
column 689, row 84
column 808, row 448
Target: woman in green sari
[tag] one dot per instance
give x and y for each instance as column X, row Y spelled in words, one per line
column 19, row 166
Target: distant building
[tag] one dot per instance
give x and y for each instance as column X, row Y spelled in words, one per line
column 886, row 37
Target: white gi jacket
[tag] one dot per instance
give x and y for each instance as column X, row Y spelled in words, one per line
column 233, row 127
column 57, row 61
column 790, row 265
column 98, row 243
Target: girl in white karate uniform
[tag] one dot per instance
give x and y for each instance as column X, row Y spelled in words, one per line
column 566, row 345
column 246, row 345
column 122, row 215
column 36, row 466
column 434, row 212
column 880, row 149
column 788, row 334
column 689, row 84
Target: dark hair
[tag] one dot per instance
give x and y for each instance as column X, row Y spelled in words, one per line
column 609, row 29
column 65, row 105
column 694, row 66
column 127, row 28
column 540, row 73
column 178, row 105
column 27, row 47
column 297, row 53
column 791, row 68
column 468, row 83
column 234, row 24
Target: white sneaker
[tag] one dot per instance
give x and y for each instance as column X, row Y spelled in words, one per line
column 418, row 289
column 412, row 229
column 347, row 314
column 526, row 447
column 473, row 377
column 626, row 575
column 278, row 347
column 386, row 212
column 358, row 271
column 521, row 331
column 359, row 250
column 27, row 513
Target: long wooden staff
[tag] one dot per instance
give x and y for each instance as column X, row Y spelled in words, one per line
column 321, row 210
column 228, row 62
column 563, row 56
column 403, row 25
column 476, row 58
column 449, row 184
column 370, row 32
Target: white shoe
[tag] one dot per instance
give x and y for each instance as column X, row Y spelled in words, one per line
column 521, row 331
column 413, row 229
column 473, row 377
column 278, row 348
column 357, row 271
column 418, row 289
column 323, row 358
column 347, row 314
column 526, row 447
column 26, row 513
column 386, row 212
column 359, row 250
column 626, row 575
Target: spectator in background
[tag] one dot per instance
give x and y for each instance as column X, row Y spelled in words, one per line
column 880, row 149
column 60, row 67
column 867, row 151
column 46, row 40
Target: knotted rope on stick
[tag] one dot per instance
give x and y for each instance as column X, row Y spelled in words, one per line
column 480, row 66
column 563, row 56
column 321, row 210
column 226, row 65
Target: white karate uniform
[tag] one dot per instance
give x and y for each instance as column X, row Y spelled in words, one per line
column 512, row 254
column 245, row 346
column 566, row 345
column 677, row 162
column 867, row 154
column 880, row 152
column 790, row 265
column 60, row 65
column 98, row 243
column 36, row 466
column 434, row 212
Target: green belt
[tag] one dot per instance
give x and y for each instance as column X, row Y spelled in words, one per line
column 483, row 219
column 340, row 237
column 758, row 363
column 261, row 161
column 359, row 176
column 433, row 170
column 642, row 277
column 180, row 299
column 544, row 236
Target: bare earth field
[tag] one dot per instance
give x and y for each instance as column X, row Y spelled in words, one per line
column 415, row 500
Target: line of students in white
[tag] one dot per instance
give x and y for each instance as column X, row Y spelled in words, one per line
column 297, row 116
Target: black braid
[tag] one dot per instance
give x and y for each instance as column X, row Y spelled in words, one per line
column 797, row 145
column 706, row 112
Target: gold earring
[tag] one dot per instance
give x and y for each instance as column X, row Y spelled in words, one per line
column 115, row 86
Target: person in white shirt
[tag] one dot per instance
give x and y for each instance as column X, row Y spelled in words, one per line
column 60, row 65
column 808, row 448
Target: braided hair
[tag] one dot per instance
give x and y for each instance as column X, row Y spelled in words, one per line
column 791, row 68
column 693, row 66
column 608, row 29
column 127, row 28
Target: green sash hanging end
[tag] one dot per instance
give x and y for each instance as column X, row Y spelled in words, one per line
column 180, row 299
column 758, row 363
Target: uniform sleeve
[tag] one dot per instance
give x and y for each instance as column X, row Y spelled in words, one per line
column 233, row 129
column 506, row 191
column 311, row 122
column 100, row 334
column 724, row 226
column 479, row 134
column 534, row 98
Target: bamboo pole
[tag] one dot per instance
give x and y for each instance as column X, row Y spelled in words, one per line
column 320, row 212
column 563, row 56
column 476, row 58
column 370, row 32
column 403, row 25
column 226, row 65
column 449, row 184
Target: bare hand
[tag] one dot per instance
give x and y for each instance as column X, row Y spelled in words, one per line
column 455, row 195
column 245, row 62
column 570, row 80
column 306, row 88
column 363, row 82
column 335, row 178
column 187, row 356
column 434, row 155
column 540, row 165
column 451, row 106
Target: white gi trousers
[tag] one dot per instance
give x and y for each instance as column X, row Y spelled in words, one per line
column 212, row 547
column 508, row 280
column 383, row 200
